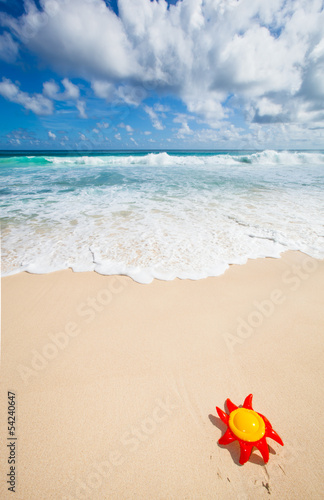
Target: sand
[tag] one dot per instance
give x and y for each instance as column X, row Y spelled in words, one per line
column 116, row 383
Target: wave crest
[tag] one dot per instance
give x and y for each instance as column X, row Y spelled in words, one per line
column 164, row 159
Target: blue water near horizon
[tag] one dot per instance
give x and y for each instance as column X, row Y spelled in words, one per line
column 161, row 214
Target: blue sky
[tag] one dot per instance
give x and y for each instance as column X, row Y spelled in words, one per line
column 141, row 74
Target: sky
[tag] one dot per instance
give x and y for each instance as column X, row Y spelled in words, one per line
column 148, row 74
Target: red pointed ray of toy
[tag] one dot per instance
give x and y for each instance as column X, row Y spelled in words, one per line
column 231, row 406
column 222, row 415
column 273, row 435
column 263, row 448
column 246, row 450
column 227, row 438
column 248, row 402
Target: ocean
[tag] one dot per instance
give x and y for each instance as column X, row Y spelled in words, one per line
column 165, row 215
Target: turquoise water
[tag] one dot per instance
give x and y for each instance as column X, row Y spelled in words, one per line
column 162, row 214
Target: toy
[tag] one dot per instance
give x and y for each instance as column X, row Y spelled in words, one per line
column 248, row 427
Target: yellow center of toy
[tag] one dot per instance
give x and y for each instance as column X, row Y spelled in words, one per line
column 246, row 424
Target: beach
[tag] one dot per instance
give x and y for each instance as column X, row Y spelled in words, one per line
column 162, row 250
column 116, row 382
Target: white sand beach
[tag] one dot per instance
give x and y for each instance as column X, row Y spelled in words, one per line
column 116, row 382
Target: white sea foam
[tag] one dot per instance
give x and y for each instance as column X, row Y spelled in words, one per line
column 160, row 215
column 268, row 157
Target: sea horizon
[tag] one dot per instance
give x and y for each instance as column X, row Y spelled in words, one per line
column 157, row 150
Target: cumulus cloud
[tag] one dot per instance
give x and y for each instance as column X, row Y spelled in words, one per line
column 84, row 37
column 20, row 135
column 154, row 118
column 51, row 135
column 71, row 93
column 42, row 104
column 103, row 125
column 8, row 48
column 184, row 130
column 37, row 103
column 103, row 89
column 81, row 105
column 52, row 90
column 129, row 94
column 161, row 108
column 128, row 128
column 268, row 55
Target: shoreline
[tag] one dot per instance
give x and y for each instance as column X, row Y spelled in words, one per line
column 146, row 271
column 117, row 383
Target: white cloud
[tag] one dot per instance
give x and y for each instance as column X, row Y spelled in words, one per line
column 20, row 135
column 83, row 137
column 8, row 48
column 103, row 89
column 42, row 104
column 37, row 103
column 103, row 125
column 184, row 130
column 147, row 132
column 133, row 140
column 228, row 134
column 268, row 55
column 161, row 108
column 81, row 105
column 154, row 118
column 129, row 94
column 118, row 136
column 128, row 128
column 52, row 90
column 267, row 107
column 84, row 37
column 51, row 135
column 71, row 91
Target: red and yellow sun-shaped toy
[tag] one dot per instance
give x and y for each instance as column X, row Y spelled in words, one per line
column 248, row 427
